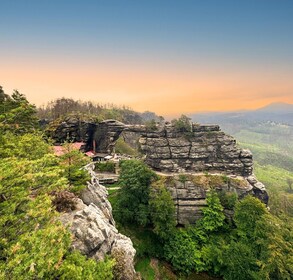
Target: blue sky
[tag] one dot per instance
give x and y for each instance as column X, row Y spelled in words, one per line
column 197, row 36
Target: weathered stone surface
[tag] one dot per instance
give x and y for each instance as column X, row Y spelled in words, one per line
column 167, row 150
column 205, row 148
column 189, row 192
column 93, row 227
column 106, row 135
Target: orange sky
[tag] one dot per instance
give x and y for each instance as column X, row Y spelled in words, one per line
column 171, row 57
column 167, row 90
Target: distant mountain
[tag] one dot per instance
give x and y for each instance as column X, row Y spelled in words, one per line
column 277, row 108
column 275, row 112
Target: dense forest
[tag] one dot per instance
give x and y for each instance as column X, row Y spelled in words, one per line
column 255, row 244
column 64, row 107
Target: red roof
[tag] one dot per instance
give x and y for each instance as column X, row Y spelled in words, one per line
column 90, row 153
column 59, row 150
column 77, row 145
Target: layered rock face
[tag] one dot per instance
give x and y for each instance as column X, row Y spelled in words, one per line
column 72, row 129
column 189, row 192
column 94, row 231
column 204, row 149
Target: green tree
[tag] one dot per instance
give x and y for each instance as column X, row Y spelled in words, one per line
column 33, row 243
column 262, row 248
column 213, row 216
column 274, row 248
column 162, row 210
column 247, row 212
column 183, row 253
column 240, row 262
column 73, row 162
column 182, row 124
column 132, row 204
column 16, row 113
column 29, row 146
column 76, row 266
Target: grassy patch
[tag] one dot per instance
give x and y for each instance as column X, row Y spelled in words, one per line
column 111, row 191
column 121, row 147
column 144, row 268
column 275, row 178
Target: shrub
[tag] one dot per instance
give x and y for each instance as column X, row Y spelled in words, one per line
column 107, row 166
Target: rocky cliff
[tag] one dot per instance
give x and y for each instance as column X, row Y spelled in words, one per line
column 195, row 153
column 94, row 232
column 189, row 192
column 204, row 149
column 197, row 160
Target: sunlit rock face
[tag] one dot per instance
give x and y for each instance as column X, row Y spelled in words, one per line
column 204, row 149
column 93, row 228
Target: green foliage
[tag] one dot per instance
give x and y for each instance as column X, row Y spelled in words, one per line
column 213, row 252
column 132, row 204
column 182, row 124
column 281, row 204
column 121, row 147
column 73, row 162
column 108, row 166
column 33, row 244
column 38, row 253
column 145, row 241
column 274, row 240
column 144, row 268
column 29, row 146
column 162, row 210
column 16, row 113
column 228, row 199
column 183, row 253
column 240, row 262
column 64, row 107
column 213, row 216
column 76, row 266
column 247, row 212
column 264, row 247
column 182, row 178
column 151, row 125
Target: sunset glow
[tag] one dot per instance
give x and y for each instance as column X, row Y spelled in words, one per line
column 168, row 61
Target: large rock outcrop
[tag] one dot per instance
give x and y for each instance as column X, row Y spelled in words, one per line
column 73, row 129
column 189, row 192
column 93, row 228
column 194, row 152
column 204, row 149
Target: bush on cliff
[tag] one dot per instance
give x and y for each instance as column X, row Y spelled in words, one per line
column 132, row 205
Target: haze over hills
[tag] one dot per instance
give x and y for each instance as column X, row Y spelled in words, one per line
column 274, row 112
column 267, row 132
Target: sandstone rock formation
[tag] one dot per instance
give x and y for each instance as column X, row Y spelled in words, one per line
column 205, row 148
column 93, row 228
column 189, row 192
column 73, row 129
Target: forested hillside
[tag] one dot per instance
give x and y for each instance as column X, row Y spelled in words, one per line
column 64, row 107
column 233, row 239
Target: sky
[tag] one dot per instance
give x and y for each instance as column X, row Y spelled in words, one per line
column 167, row 56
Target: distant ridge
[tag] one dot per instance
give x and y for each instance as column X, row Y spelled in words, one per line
column 275, row 112
column 277, row 107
